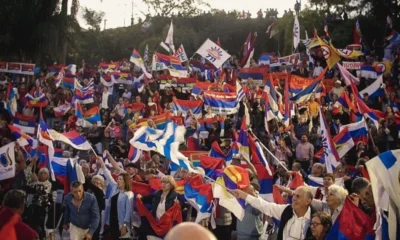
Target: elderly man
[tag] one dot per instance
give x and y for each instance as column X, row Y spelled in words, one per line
column 81, row 214
column 294, row 219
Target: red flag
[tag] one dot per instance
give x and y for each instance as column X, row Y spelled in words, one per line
column 356, row 37
column 297, row 180
column 364, row 173
column 166, row 221
column 141, row 188
column 155, row 184
column 278, row 199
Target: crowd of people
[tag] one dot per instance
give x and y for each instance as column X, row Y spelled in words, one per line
column 105, row 205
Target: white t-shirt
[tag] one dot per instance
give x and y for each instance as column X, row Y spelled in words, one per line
column 160, row 209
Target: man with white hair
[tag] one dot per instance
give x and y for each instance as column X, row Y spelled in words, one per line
column 294, row 219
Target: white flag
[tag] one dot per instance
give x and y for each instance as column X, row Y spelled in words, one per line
column 157, row 65
column 213, row 53
column 181, row 54
column 170, row 38
column 247, row 65
column 7, row 160
column 296, row 33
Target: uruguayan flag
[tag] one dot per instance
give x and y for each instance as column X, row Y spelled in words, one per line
column 165, row 142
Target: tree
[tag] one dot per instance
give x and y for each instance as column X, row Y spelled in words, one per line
column 93, row 18
column 167, row 8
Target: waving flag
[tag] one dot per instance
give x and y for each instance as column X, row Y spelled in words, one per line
column 247, row 45
column 69, row 81
column 329, row 53
column 375, row 89
column 257, row 154
column 122, row 78
column 211, row 164
column 223, row 103
column 195, row 106
column 40, row 101
column 134, row 154
column 347, row 76
column 343, row 143
column 306, row 94
column 176, row 69
column 84, row 97
column 169, row 41
column 108, row 67
column 352, row 223
column 217, row 152
column 167, row 220
column 61, row 110
column 331, row 156
column 138, row 61
column 345, row 102
column 383, row 171
column 55, row 68
column 87, row 118
column 25, row 123
column 296, row 33
column 233, row 177
column 72, row 138
column 358, row 131
column 7, row 159
column 181, row 54
column 44, row 137
column 22, row 138
column 363, row 108
column 165, row 142
column 213, row 53
column 200, row 196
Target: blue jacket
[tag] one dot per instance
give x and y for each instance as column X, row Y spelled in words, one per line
column 124, row 204
column 88, row 216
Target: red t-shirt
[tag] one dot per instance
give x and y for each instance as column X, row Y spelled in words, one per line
column 22, row 230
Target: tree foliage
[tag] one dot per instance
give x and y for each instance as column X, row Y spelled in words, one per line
column 40, row 31
column 167, row 8
column 92, row 18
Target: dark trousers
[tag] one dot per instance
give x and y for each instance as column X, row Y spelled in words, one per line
column 222, row 232
column 305, row 165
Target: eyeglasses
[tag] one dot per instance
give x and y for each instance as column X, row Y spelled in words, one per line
column 315, row 224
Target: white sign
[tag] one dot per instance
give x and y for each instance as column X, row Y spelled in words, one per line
column 7, row 161
column 213, row 53
column 352, row 65
column 181, row 54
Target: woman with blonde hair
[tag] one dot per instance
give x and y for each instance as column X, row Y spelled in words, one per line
column 160, row 201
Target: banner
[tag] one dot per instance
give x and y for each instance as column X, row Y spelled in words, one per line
column 195, row 106
column 184, row 83
column 352, row 65
column 223, row 103
column 7, row 160
column 213, row 53
column 181, row 54
column 19, row 68
column 256, row 74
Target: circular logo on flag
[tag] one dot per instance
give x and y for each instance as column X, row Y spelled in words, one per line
column 326, row 51
column 381, row 67
column 5, row 159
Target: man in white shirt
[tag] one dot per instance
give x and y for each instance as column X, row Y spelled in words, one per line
column 294, row 219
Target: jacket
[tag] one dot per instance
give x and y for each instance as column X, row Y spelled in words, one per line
column 124, row 204
column 155, row 199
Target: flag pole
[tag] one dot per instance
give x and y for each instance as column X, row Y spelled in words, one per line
column 370, row 136
column 269, row 152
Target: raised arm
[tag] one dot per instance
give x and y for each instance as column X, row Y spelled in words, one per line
column 270, row 209
column 113, row 162
column 107, row 172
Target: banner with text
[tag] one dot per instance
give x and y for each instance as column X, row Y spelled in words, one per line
column 19, row 68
